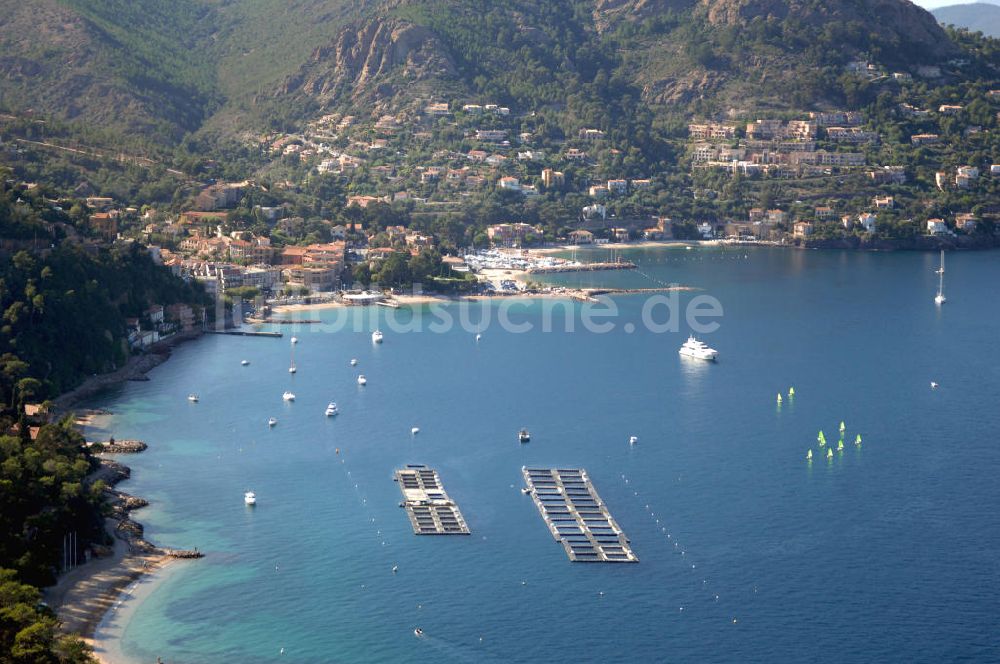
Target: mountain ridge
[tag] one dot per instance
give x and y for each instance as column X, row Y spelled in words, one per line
column 237, row 66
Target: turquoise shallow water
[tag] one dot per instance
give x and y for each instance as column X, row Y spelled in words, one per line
column 886, row 553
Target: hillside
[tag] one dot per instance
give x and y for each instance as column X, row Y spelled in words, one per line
column 978, row 16
column 165, row 71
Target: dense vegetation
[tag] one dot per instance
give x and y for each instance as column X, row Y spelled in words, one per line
column 28, row 630
column 64, row 307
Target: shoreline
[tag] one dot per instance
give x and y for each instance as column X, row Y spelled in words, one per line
column 135, row 368
column 85, row 597
column 558, row 293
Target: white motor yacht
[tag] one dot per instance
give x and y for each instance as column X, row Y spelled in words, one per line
column 271, row 421
column 362, row 380
column 288, row 396
column 698, row 349
column 250, row 498
column 331, row 409
column 377, row 336
column 245, row 362
column 193, row 398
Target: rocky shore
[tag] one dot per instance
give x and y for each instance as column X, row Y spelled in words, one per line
column 135, row 369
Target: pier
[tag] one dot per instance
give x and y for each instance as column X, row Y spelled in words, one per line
column 581, row 267
column 430, row 509
column 576, row 515
column 247, row 333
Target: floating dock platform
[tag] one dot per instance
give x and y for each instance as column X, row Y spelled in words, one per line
column 430, row 509
column 576, row 515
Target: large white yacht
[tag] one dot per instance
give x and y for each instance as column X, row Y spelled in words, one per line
column 288, row 396
column 698, row 349
column 331, row 409
column 250, row 498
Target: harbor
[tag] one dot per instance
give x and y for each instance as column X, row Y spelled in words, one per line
column 576, row 516
column 427, row 504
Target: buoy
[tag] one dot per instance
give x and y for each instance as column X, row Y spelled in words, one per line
column 809, row 455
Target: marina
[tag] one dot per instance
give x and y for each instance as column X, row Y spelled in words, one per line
column 576, row 516
column 430, row 509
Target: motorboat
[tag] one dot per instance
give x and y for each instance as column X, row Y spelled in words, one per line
column 632, row 440
column 271, row 421
column 524, row 436
column 415, row 430
column 288, row 396
column 362, row 380
column 193, row 398
column 698, row 350
column 245, row 363
column 354, row 361
column 292, row 369
column 377, row 336
column 250, row 498
column 417, row 632
column 331, row 409
column 295, row 340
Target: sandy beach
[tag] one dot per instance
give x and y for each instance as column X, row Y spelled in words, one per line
column 83, row 596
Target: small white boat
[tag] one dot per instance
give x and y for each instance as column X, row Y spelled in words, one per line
column 245, row 363
column 478, row 337
column 250, row 498
column 331, row 409
column 524, row 436
column 193, row 398
column 362, row 380
column 632, row 440
column 295, row 340
column 526, row 491
column 288, row 396
column 415, row 430
column 354, row 361
column 377, row 336
column 933, row 385
column 418, row 632
column 698, row 350
column 271, row 421
column 292, row 369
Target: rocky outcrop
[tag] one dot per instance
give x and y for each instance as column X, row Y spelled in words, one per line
column 898, row 21
column 362, row 61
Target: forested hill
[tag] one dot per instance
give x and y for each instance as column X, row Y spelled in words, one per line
column 162, row 71
column 64, row 299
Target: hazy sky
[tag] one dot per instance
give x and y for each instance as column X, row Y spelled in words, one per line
column 931, row 4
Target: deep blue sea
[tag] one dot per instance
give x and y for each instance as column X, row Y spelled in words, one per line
column 748, row 553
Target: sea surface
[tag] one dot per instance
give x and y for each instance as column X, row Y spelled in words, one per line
column 748, row 553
